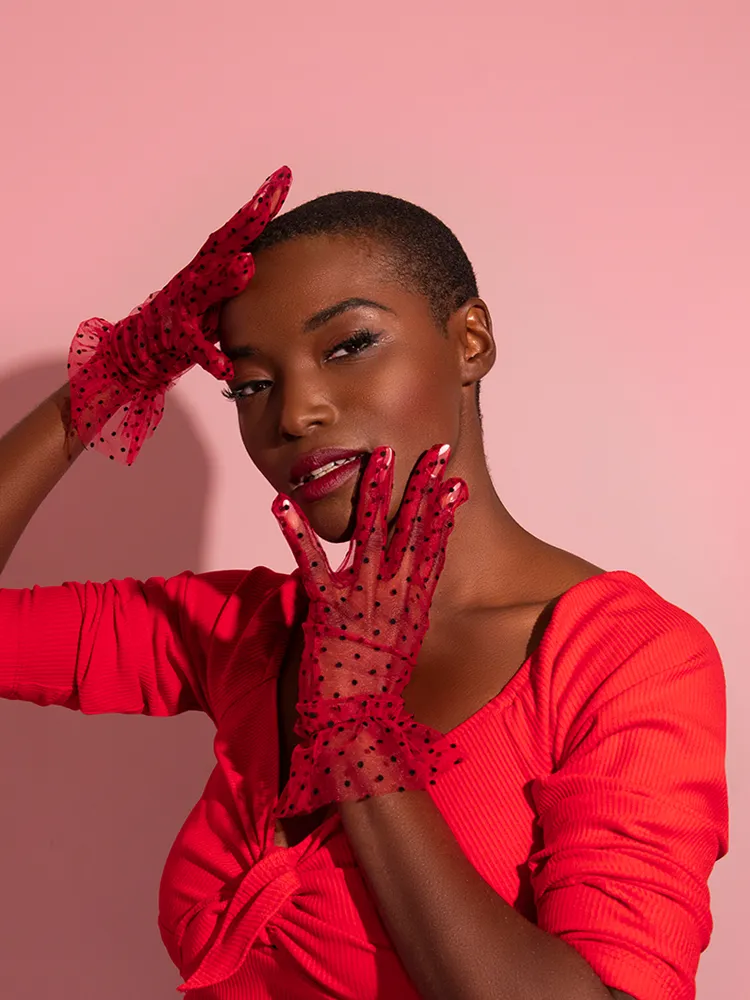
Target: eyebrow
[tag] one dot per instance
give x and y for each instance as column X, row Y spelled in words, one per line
column 326, row 315
column 315, row 322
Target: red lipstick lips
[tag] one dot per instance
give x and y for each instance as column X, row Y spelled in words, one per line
column 322, row 483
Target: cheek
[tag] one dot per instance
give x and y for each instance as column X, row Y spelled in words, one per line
column 416, row 397
column 245, row 433
column 411, row 414
column 410, row 403
column 250, row 435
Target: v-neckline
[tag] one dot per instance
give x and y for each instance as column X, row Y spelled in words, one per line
column 510, row 689
column 289, row 602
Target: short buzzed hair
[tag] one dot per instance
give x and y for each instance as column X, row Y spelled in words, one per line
column 428, row 258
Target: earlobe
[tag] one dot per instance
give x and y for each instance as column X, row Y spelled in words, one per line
column 474, row 329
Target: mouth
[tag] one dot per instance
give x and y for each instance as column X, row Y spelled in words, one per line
column 326, row 478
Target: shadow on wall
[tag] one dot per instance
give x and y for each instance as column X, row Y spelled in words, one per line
column 90, row 806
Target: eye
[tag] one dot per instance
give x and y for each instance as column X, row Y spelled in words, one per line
column 246, row 390
column 355, row 344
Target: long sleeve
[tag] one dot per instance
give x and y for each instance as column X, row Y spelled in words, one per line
column 634, row 813
column 124, row 646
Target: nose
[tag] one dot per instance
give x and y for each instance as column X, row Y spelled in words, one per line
column 305, row 405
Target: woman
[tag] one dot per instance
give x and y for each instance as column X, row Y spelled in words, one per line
column 523, row 801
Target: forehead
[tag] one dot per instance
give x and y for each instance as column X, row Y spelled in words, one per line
column 296, row 279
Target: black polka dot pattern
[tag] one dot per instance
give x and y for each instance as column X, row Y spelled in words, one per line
column 120, row 372
column 365, row 626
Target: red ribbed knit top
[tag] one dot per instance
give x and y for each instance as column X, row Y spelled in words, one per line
column 592, row 796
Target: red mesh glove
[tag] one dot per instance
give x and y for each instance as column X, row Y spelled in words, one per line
column 120, row 372
column 365, row 626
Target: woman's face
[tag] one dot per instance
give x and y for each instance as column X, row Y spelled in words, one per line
column 330, row 352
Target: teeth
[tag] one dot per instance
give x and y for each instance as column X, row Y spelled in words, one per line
column 325, row 469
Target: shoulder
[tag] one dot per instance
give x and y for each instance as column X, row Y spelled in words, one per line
column 230, row 622
column 612, row 618
column 613, row 641
column 217, row 606
column 245, row 618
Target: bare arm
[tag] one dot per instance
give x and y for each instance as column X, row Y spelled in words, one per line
column 458, row 939
column 34, row 455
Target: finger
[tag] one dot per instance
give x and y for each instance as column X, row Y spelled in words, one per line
column 454, row 494
column 235, row 276
column 218, row 282
column 411, row 521
column 364, row 558
column 306, row 549
column 213, row 360
column 250, row 221
column 279, row 183
column 192, row 343
column 372, row 510
column 235, row 236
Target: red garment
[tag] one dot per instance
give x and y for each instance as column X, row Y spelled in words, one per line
column 592, row 795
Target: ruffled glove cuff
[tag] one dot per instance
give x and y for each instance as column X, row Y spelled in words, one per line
column 119, row 373
column 115, row 406
column 355, row 755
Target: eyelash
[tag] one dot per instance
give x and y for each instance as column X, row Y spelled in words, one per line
column 357, row 343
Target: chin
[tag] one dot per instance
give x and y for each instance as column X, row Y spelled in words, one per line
column 334, row 517
column 333, row 521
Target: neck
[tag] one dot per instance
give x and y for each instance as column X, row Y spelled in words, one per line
column 490, row 558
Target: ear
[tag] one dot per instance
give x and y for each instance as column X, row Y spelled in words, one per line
column 471, row 326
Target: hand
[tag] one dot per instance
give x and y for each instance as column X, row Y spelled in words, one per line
column 365, row 626
column 120, row 372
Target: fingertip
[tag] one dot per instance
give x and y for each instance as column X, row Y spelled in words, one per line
column 385, row 456
column 225, row 366
column 456, row 493
column 435, row 460
column 379, row 460
column 247, row 258
column 281, row 505
column 241, row 269
column 220, row 367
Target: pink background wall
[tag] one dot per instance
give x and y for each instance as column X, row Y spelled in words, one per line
column 593, row 157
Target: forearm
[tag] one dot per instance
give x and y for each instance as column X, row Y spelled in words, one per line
column 457, row 938
column 34, row 455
